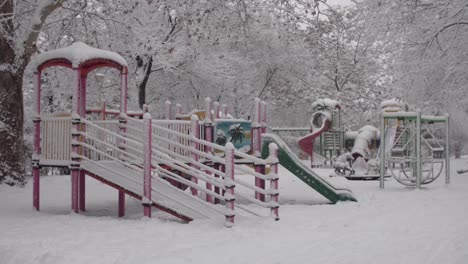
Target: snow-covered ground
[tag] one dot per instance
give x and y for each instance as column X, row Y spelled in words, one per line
column 395, row 225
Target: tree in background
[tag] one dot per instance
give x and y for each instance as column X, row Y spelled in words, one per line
column 20, row 25
column 426, row 54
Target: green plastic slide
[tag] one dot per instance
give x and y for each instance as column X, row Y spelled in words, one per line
column 289, row 160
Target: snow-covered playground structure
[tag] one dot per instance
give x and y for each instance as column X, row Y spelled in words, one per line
column 151, row 160
column 416, row 145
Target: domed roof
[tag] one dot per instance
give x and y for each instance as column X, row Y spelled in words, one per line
column 78, row 55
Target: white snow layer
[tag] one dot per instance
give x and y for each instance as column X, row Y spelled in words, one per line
column 395, row 225
column 78, row 53
column 329, row 103
column 364, row 138
column 392, row 104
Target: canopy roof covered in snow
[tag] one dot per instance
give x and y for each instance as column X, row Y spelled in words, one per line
column 326, row 103
column 392, row 105
column 79, row 55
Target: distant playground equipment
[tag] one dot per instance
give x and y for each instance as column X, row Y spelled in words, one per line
column 417, row 149
column 357, row 155
column 325, row 125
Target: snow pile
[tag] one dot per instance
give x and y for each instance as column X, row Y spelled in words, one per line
column 363, row 139
column 325, row 103
column 76, row 54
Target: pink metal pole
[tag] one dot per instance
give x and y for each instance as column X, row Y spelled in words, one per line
column 273, row 149
column 37, row 143
column 195, row 145
column 168, row 109
column 122, row 131
column 81, row 178
column 76, row 94
column 208, row 122
column 147, row 137
column 82, row 111
column 75, row 160
column 229, row 184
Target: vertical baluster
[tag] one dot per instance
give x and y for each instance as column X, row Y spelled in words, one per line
column 273, row 176
column 229, row 185
column 147, row 145
column 195, row 135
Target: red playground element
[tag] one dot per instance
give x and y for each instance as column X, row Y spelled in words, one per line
column 307, row 143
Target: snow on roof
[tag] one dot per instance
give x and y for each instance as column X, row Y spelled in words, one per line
column 392, row 103
column 77, row 53
column 326, row 102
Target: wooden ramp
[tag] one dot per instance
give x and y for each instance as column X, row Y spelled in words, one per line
column 164, row 196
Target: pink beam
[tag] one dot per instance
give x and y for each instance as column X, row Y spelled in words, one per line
column 178, row 111
column 229, row 184
column 147, row 138
column 208, row 137
column 263, row 117
column 37, row 143
column 82, row 108
column 216, row 110
column 77, row 93
column 274, row 197
column 195, row 145
column 123, row 90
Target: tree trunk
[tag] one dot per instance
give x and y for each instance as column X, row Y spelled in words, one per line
column 12, row 67
column 142, row 86
column 11, row 108
column 11, row 128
